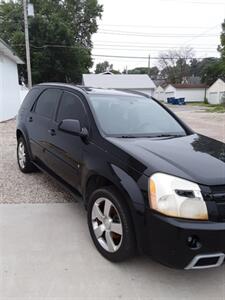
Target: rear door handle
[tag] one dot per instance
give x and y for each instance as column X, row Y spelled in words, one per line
column 52, row 132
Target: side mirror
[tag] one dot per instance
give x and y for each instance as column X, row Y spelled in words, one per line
column 73, row 127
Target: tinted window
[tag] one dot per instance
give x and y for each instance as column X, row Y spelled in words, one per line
column 47, row 103
column 71, row 108
column 30, row 98
column 133, row 115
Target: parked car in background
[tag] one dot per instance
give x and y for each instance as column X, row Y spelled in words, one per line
column 149, row 183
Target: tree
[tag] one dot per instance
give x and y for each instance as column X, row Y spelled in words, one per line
column 60, row 36
column 210, row 69
column 153, row 72
column 103, row 67
column 175, row 64
column 221, row 48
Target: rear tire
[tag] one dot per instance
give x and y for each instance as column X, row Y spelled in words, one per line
column 110, row 225
column 23, row 158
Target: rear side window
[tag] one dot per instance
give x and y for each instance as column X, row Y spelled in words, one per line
column 47, row 103
column 71, row 107
column 30, row 98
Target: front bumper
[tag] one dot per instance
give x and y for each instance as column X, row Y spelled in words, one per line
column 168, row 240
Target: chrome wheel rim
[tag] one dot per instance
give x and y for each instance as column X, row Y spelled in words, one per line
column 107, row 225
column 21, row 155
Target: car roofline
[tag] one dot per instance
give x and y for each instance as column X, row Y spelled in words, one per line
column 61, row 84
column 88, row 90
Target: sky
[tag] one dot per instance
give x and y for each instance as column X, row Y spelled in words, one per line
column 139, row 28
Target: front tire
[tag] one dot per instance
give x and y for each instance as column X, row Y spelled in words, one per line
column 110, row 225
column 23, row 158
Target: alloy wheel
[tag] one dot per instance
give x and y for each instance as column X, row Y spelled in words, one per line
column 107, row 225
column 21, row 155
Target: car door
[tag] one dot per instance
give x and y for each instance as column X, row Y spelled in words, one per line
column 39, row 120
column 66, row 150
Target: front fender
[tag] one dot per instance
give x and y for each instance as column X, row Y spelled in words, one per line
column 132, row 189
column 131, row 193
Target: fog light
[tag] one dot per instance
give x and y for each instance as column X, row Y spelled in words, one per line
column 194, row 242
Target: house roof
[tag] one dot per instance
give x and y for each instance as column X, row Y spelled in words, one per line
column 7, row 51
column 118, row 81
column 189, row 86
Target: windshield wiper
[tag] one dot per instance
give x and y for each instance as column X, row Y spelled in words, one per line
column 150, row 136
column 168, row 135
column 128, row 137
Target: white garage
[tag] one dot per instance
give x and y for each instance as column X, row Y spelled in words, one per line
column 159, row 93
column 130, row 82
column 9, row 83
column 216, row 92
column 191, row 92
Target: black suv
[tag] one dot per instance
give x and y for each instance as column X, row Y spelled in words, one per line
column 149, row 183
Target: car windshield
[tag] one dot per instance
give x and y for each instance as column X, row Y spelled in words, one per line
column 133, row 116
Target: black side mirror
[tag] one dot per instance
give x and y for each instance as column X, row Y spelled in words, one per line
column 73, row 127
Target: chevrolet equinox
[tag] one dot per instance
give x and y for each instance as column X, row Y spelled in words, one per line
column 149, row 183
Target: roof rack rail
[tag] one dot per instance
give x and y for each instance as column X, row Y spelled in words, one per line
column 134, row 92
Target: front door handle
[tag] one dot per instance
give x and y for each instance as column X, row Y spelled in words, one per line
column 52, row 132
column 30, row 119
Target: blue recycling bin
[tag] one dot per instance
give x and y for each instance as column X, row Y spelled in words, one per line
column 176, row 101
column 182, row 101
column 170, row 100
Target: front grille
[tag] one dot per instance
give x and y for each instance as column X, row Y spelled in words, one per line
column 218, row 195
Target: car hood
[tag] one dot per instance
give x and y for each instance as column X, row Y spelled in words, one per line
column 194, row 157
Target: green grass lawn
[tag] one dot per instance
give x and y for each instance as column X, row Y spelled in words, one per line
column 219, row 108
column 216, row 108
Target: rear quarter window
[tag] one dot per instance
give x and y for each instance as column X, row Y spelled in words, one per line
column 30, row 98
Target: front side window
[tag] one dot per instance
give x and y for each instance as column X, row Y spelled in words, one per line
column 47, row 103
column 71, row 108
column 133, row 115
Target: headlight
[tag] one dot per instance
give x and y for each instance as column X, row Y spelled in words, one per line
column 176, row 197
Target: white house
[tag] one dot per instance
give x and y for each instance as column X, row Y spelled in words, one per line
column 9, row 83
column 159, row 93
column 140, row 83
column 191, row 92
column 216, row 92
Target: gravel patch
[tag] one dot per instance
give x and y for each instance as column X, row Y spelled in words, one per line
column 16, row 187
column 209, row 124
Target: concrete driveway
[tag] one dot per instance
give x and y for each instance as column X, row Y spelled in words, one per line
column 46, row 253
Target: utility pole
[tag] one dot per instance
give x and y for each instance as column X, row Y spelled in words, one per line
column 27, row 43
column 149, row 64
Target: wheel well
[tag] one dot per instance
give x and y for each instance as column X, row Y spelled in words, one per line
column 18, row 134
column 95, row 182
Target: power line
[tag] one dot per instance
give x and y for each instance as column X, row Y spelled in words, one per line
column 144, row 47
column 144, row 44
column 153, row 26
column 195, row 2
column 142, row 57
column 201, row 34
column 43, row 47
column 127, row 33
column 146, row 50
